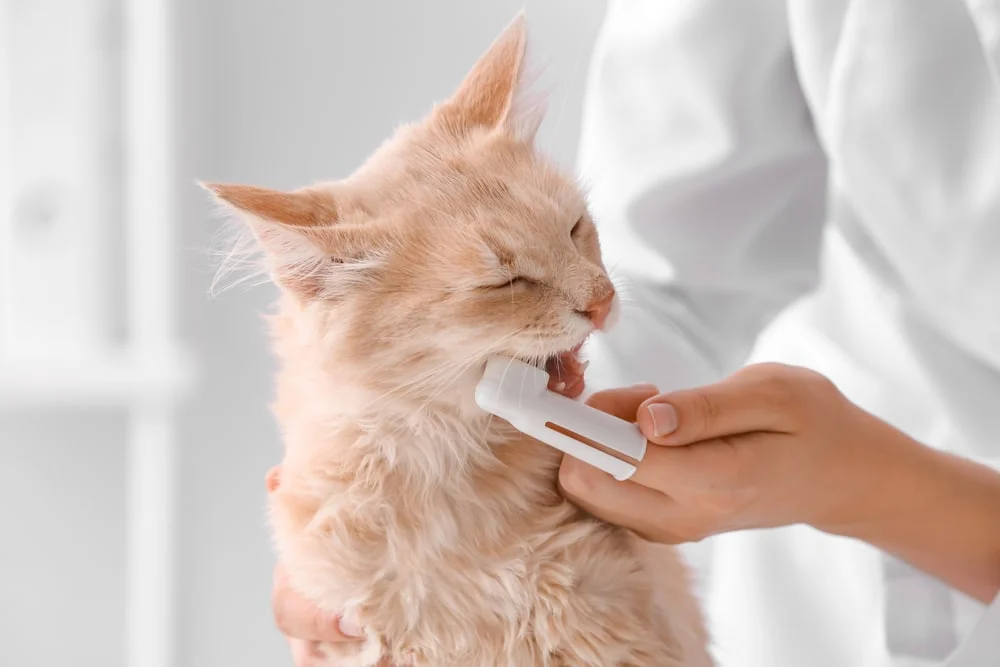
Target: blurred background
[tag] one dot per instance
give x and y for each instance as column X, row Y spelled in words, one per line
column 134, row 422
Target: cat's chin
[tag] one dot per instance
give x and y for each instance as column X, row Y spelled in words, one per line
column 547, row 361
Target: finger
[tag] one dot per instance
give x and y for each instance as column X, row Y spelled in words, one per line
column 273, row 479
column 710, row 465
column 641, row 509
column 299, row 618
column 622, row 403
column 734, row 406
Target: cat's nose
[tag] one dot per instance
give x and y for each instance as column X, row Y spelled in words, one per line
column 599, row 310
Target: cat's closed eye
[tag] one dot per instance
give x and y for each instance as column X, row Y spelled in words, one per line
column 516, row 281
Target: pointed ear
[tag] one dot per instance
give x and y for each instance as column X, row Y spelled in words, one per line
column 300, row 234
column 302, row 208
column 497, row 92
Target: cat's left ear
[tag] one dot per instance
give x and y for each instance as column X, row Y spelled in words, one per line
column 499, row 91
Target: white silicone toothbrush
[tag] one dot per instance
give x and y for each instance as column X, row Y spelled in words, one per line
column 518, row 392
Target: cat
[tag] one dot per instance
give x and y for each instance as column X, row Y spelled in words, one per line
column 436, row 528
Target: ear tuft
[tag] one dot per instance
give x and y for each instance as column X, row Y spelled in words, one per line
column 308, row 207
column 296, row 242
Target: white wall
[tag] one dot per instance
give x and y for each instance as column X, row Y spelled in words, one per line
column 289, row 93
column 61, row 539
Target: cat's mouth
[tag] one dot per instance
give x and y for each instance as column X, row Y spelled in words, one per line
column 566, row 372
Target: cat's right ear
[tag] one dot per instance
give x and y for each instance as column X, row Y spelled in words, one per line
column 300, row 233
column 309, row 207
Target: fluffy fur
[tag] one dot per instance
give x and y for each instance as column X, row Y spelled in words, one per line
column 439, row 529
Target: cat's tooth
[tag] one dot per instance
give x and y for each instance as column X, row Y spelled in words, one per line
column 583, row 366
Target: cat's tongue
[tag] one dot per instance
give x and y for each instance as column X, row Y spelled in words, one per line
column 566, row 373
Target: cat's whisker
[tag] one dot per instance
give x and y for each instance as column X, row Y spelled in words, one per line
column 462, row 368
column 443, row 374
column 445, row 385
column 414, row 384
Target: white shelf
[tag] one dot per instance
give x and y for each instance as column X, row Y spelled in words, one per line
column 116, row 380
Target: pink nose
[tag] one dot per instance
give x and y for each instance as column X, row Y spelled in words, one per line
column 599, row 310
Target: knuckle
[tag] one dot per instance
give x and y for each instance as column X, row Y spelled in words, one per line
column 706, row 410
column 781, row 387
column 797, row 391
column 821, row 383
column 579, row 479
column 780, row 390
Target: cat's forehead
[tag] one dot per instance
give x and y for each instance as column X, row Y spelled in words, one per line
column 483, row 178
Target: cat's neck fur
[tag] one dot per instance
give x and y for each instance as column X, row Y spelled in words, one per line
column 404, row 409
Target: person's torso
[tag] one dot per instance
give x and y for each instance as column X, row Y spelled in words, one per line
column 906, row 101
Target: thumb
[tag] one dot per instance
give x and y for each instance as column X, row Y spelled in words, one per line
column 733, row 406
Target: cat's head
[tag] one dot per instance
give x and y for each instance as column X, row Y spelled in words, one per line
column 454, row 241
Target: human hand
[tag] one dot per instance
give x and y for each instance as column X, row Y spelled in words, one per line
column 303, row 624
column 769, row 446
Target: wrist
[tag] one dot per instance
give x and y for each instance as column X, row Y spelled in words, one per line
column 938, row 511
column 885, row 478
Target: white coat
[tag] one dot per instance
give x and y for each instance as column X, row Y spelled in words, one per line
column 815, row 182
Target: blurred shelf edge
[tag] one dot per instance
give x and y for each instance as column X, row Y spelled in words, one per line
column 122, row 380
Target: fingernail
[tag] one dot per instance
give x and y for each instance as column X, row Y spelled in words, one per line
column 349, row 628
column 664, row 418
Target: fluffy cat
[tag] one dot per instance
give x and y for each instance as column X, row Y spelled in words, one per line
column 438, row 529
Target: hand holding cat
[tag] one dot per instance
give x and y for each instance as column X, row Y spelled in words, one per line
column 302, row 623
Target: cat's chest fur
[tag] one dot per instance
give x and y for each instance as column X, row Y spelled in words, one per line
column 426, row 502
column 451, row 541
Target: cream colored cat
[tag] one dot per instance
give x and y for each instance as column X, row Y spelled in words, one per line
column 438, row 529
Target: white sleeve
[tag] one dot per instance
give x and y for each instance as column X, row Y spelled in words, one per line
column 706, row 180
column 982, row 647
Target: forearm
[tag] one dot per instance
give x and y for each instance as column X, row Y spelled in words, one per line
column 939, row 512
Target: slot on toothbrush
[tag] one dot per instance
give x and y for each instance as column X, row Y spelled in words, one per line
column 518, row 392
column 591, row 443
